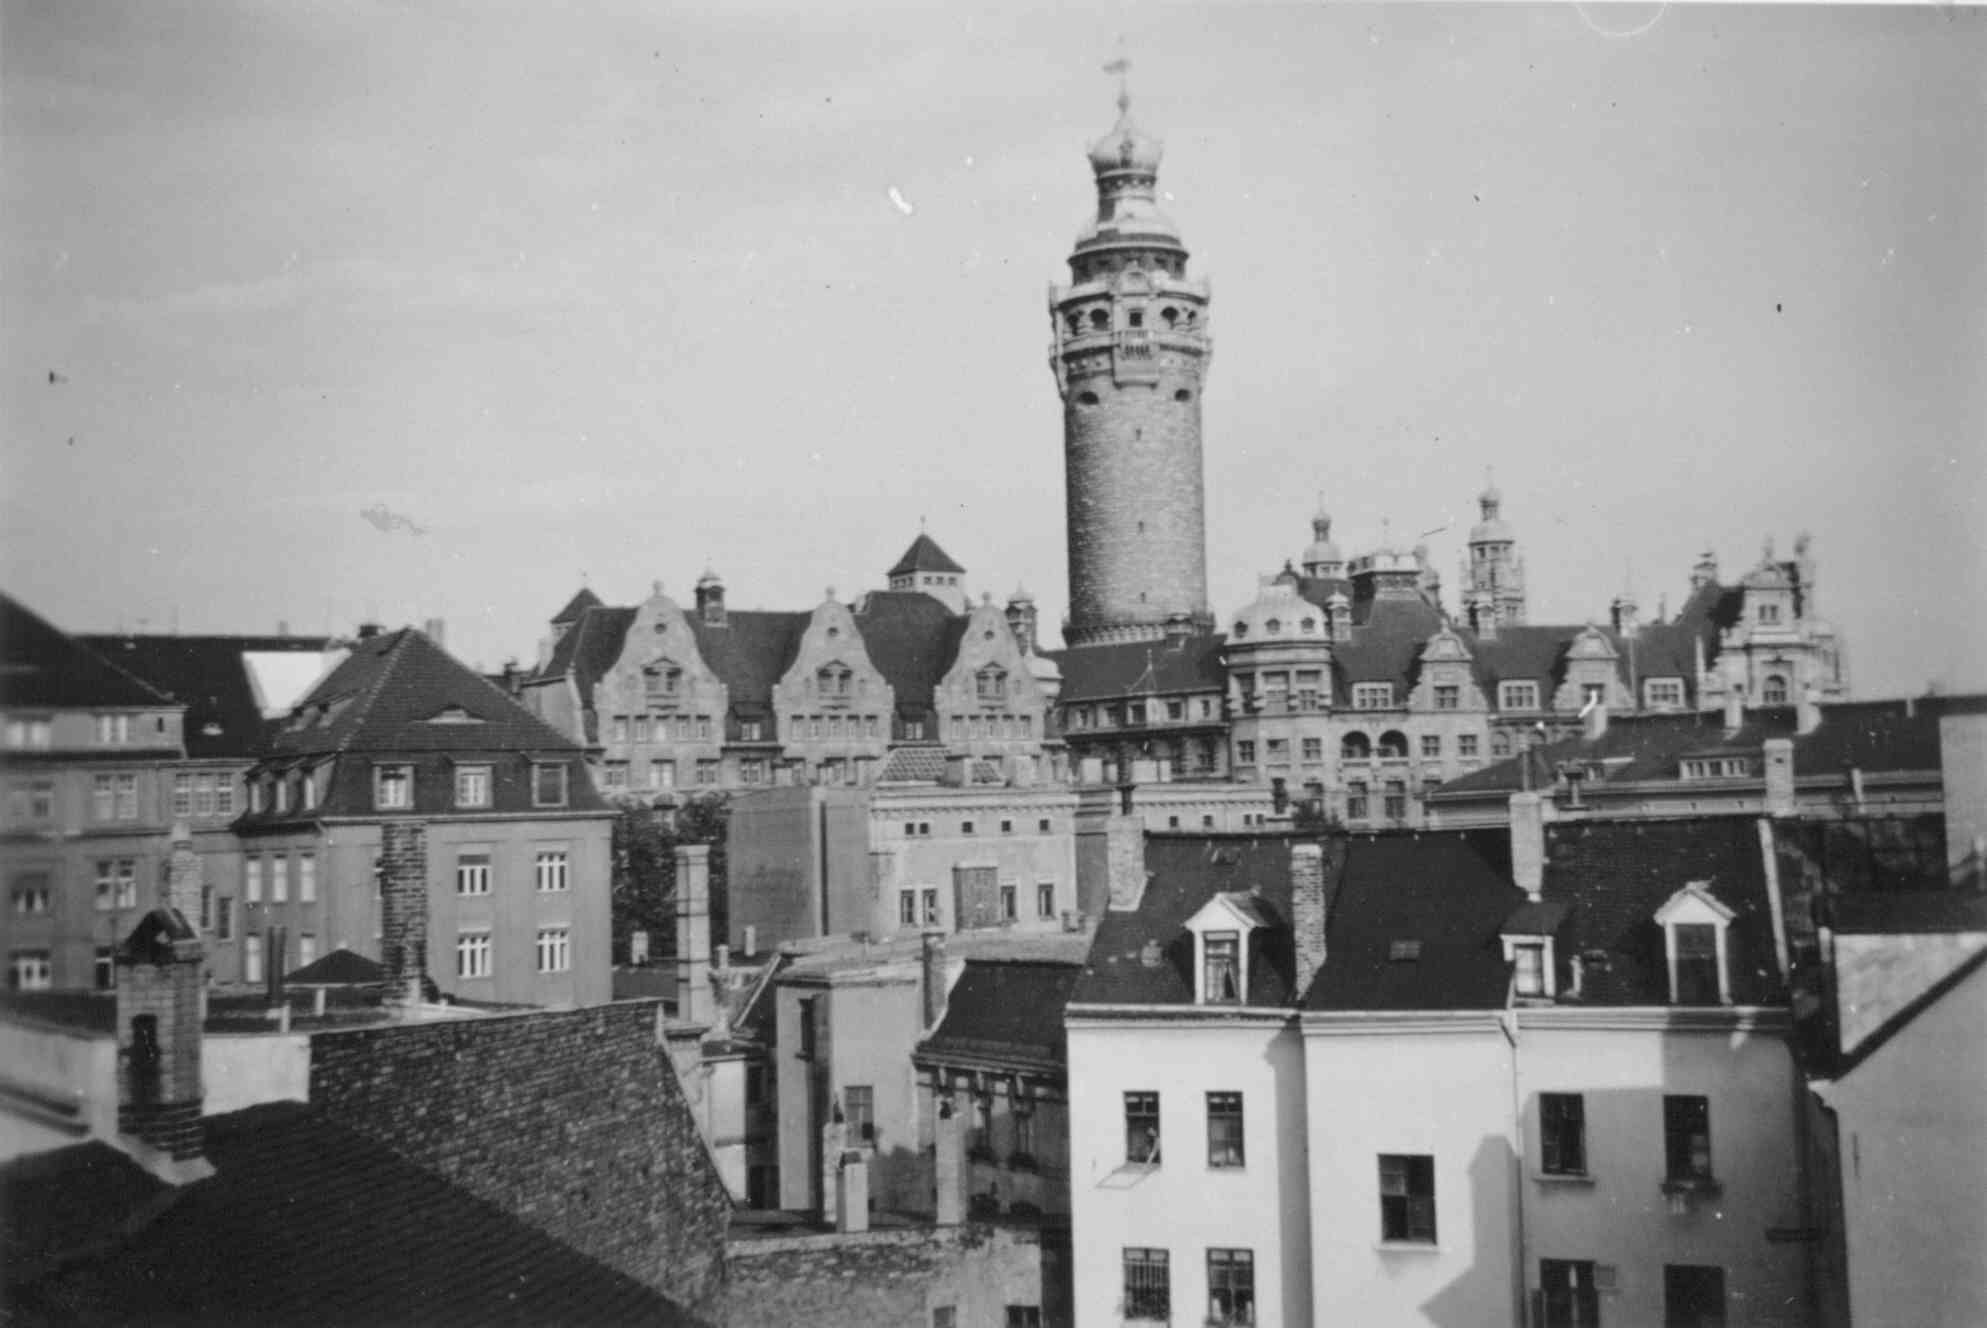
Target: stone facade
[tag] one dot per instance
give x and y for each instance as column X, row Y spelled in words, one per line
column 660, row 703
column 833, row 703
column 898, row 1276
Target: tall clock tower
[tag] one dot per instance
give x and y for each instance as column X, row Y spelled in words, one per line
column 1131, row 349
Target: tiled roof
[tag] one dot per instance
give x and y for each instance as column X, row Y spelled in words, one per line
column 582, row 601
column 1415, row 922
column 1907, row 913
column 1872, row 736
column 926, row 765
column 588, row 649
column 912, row 638
column 1614, row 875
column 386, row 697
column 751, row 652
column 1005, row 1010
column 1184, row 872
column 924, row 555
column 1140, row 668
column 1634, row 747
column 303, row 1219
column 209, row 675
column 339, row 968
column 41, row 665
column 1387, row 646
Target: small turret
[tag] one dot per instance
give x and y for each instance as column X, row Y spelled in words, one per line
column 710, row 599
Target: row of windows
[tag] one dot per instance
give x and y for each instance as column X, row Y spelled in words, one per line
column 1686, row 1137
column 1175, row 710
column 277, row 868
column 834, row 728
column 1569, row 1294
column 37, row 732
column 922, row 829
column 1224, row 1129
column 966, row 727
column 664, row 728
column 550, row 872
column 393, row 786
column 918, row 905
column 475, row 952
column 1231, row 1286
column 660, row 774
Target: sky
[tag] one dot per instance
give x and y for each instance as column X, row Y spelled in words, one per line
column 317, row 311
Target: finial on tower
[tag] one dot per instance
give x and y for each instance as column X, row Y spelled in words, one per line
column 1121, row 66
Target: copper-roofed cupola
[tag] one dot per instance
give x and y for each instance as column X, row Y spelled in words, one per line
column 1129, row 355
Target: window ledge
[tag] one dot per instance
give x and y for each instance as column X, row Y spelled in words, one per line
column 1705, row 1186
column 1579, row 1178
column 1407, row 1247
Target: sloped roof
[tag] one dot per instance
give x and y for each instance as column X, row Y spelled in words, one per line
column 1140, row 668
column 41, row 665
column 341, row 967
column 1872, row 736
column 1634, row 747
column 1005, row 1010
column 1387, row 645
column 924, row 555
column 301, row 1214
column 751, row 652
column 1907, row 913
column 386, row 694
column 582, row 601
column 912, row 640
column 1442, row 898
column 1614, row 875
column 210, row 676
column 587, row 649
column 925, row 764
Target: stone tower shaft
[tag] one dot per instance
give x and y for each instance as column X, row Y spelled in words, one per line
column 1130, row 351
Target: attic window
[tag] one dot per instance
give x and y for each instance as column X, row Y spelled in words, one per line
column 1696, row 930
column 454, row 714
column 1221, row 962
column 1220, row 932
column 1403, row 952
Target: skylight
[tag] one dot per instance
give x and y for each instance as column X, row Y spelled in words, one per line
column 1403, row 952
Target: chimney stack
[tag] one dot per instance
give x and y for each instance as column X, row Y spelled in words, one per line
column 949, row 1163
column 694, row 1000
column 1807, row 712
column 932, row 978
column 184, row 876
column 1124, row 862
column 958, row 770
column 368, row 630
column 403, row 868
column 158, row 998
column 436, row 630
column 1779, row 776
column 1528, row 843
column 1307, row 912
column 1735, row 707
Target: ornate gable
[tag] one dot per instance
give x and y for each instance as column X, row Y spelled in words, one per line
column 988, row 700
column 660, row 671
column 1592, row 661
column 832, row 675
column 1446, row 662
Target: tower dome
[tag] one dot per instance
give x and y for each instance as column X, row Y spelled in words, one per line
column 1277, row 614
column 1493, row 527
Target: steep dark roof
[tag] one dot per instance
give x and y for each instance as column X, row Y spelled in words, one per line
column 751, row 652
column 208, row 675
column 1614, row 875
column 1140, row 668
column 1872, row 736
column 387, row 694
column 303, row 1218
column 41, row 665
column 1907, row 913
column 1005, row 1011
column 1415, row 924
column 1634, row 747
column 339, row 968
column 1386, row 646
column 582, row 601
column 924, row 555
column 587, row 649
column 912, row 639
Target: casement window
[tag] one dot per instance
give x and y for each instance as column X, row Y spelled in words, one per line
column 707, row 773
column 282, row 783
column 1358, row 802
column 393, row 787
column 472, row 873
column 1431, row 745
column 1562, row 1134
column 1395, row 800
column 833, row 681
column 224, row 918
column 29, row 734
column 1224, row 1130
column 1314, row 749
column 472, row 954
column 1693, row 1296
column 615, row 774
column 1518, row 695
column 617, row 732
column 1010, row 901
column 752, row 770
column 206, row 908
column 642, row 728
column 1148, row 1285
column 1769, row 615
column 1045, row 899
column 1569, row 1296
column 279, row 879
column 1245, row 752
column 29, row 970
column 1448, row 697
column 1687, row 1140
column 472, row 785
column 31, row 895
column 661, row 680
column 1372, row 695
column 1773, row 690
column 1407, row 1197
column 114, row 797
column 1221, row 967
column 251, row 958
column 306, row 790
column 1663, row 693
column 1696, row 932
column 859, row 1110
column 251, row 877
column 113, row 730
column 1176, row 711
column 117, row 884
column 32, row 800
column 929, row 898
column 662, row 774
column 551, row 870
column 1279, row 751
column 1528, row 968
column 548, row 785
column 1142, row 1128
column 907, row 908
column 182, row 795
column 1231, row 1288
column 1500, row 743
column 555, row 951
column 1466, row 744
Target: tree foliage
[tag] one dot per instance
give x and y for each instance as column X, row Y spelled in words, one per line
column 644, row 851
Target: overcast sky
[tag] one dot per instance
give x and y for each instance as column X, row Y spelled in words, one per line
column 612, row 292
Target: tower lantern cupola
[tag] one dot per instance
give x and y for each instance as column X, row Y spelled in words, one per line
column 1322, row 558
column 1493, row 574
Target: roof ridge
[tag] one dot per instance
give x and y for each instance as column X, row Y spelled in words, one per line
column 362, row 708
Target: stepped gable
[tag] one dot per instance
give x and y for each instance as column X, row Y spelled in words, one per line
column 208, row 675
column 912, row 640
column 41, row 665
column 1414, row 924
column 1615, row 875
column 1141, row 668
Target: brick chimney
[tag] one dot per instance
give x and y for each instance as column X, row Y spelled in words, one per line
column 184, row 875
column 931, row 976
column 949, row 1161
column 958, row 770
column 436, row 630
column 1528, row 843
column 1779, row 776
column 1307, row 912
column 158, row 1048
column 1124, row 860
column 695, row 1001
column 403, row 868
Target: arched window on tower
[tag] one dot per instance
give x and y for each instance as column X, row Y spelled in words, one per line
column 1773, row 691
column 1170, row 316
column 1100, row 320
column 1354, row 747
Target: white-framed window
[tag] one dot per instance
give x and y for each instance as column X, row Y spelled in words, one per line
column 307, row 878
column 114, row 797
column 283, row 793
column 662, row 774
column 1663, row 693
column 1448, row 696
column 251, row 878
column 1518, row 695
column 1010, row 901
column 306, row 789
column 548, row 784
column 1372, row 695
column 29, row 970
column 306, row 948
column 1528, row 968
column 1045, row 899
column 279, row 879
column 472, row 872
column 113, row 730
column 550, row 871
column 182, row 794
column 472, row 786
column 907, row 908
column 928, row 898
column 1696, row 927
column 117, row 884
column 104, row 970
column 554, row 949
column 393, row 787
column 472, row 954
column 31, row 895
column 251, row 958
column 29, row 733
column 616, row 773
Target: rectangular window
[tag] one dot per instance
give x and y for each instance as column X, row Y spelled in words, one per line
column 1529, row 976
column 707, row 773
column 472, row 954
column 1407, row 1197
column 1466, row 744
column 29, row 734
column 859, row 1107
column 113, row 729
column 1357, row 803
column 1518, row 695
column 1231, row 1288
column 393, row 787
column 1448, row 697
column 251, row 868
column 224, row 918
column 1224, row 1129
column 206, row 908
column 907, row 908
column 618, row 732
column 104, row 970
column 1663, row 693
column 1563, row 1134
column 1693, row 1296
column 703, row 728
column 1567, row 1293
column 251, row 958
column 279, row 879
column 127, row 797
column 662, row 774
column 1010, row 902
column 930, row 901
column 472, row 786
column 965, row 827
column 29, row 970
column 551, row 869
column 1045, row 899
column 1221, row 972
column 1314, row 749
column 1372, row 695
column 1148, row 1286
column 1686, row 1138
column 644, row 728
column 224, row 795
column 31, row 895
column 548, row 785
column 1431, row 744
column 1395, row 802
column 1245, row 752
column 1769, row 613
column 472, row 874
column 1279, row 751
column 944, row 1316
column 282, row 793
column 306, row 790
column 554, row 950
column 117, row 884
column 307, row 878
column 182, row 795
column 1696, row 962
column 1142, row 1128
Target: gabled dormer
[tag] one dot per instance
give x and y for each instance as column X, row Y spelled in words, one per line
column 1593, row 674
column 1528, row 937
column 658, row 678
column 1696, row 946
column 988, row 701
column 833, row 702
column 1222, row 932
column 1446, row 680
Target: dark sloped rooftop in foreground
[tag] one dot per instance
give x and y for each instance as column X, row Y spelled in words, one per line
column 210, row 677
column 1005, row 1010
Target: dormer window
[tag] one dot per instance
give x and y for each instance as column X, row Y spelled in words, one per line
column 1773, row 691
column 1220, row 932
column 1769, row 615
column 1518, row 695
column 1696, row 933
column 1527, row 936
column 1529, row 969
